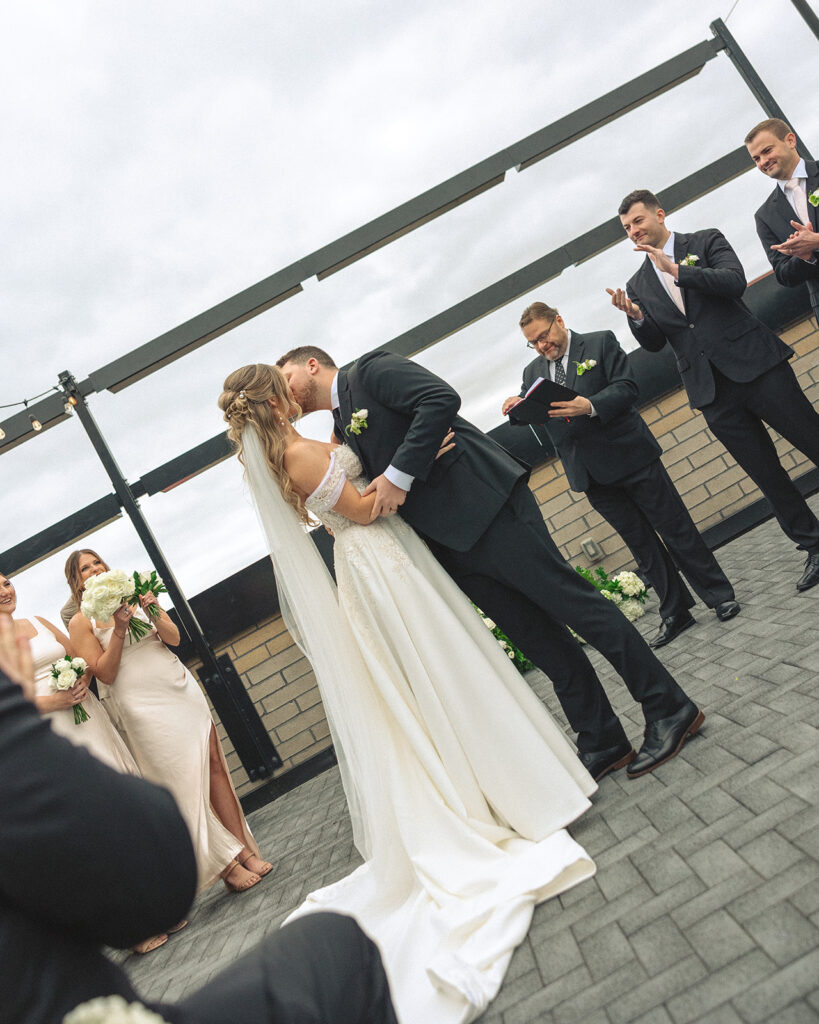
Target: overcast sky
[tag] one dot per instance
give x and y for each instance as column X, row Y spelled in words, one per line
column 162, row 156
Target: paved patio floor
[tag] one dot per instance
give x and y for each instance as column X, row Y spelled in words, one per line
column 705, row 906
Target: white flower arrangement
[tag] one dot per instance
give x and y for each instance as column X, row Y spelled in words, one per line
column 358, row 422
column 813, row 198
column 106, row 592
column 626, row 590
column 112, row 1010
column 64, row 674
column 513, row 653
column 690, row 260
column 587, row 364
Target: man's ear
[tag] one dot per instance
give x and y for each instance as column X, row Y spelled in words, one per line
column 313, row 366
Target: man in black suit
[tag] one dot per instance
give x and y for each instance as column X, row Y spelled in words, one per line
column 788, row 221
column 609, row 453
column 688, row 292
column 89, row 857
column 481, row 521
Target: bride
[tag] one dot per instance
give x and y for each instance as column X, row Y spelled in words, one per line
column 459, row 783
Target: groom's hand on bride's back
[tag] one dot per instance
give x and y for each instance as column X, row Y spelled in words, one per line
column 388, row 497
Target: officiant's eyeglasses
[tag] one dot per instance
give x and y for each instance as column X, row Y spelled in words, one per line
column 542, row 338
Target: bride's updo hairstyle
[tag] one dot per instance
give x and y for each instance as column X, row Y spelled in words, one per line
column 245, row 401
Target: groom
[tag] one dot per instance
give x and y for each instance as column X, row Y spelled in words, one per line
column 481, row 521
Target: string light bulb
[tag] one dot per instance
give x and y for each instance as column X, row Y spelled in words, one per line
column 35, row 423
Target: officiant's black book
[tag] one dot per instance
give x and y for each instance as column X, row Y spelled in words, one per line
column 534, row 408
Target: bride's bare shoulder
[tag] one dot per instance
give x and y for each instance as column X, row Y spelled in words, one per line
column 306, row 462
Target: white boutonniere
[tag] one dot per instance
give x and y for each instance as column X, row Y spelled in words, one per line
column 813, row 198
column 690, row 260
column 358, row 422
column 587, row 364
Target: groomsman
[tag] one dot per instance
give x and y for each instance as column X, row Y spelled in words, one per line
column 609, row 453
column 688, row 292
column 788, row 221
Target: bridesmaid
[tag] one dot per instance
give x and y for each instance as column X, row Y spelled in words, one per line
column 97, row 734
column 48, row 645
column 166, row 720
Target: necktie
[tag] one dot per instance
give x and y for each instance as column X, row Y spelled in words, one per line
column 338, row 422
column 799, row 202
column 674, row 291
column 560, row 373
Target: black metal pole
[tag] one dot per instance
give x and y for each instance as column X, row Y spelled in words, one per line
column 753, row 81
column 808, row 13
column 221, row 681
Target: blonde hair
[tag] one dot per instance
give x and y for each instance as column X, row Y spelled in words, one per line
column 76, row 584
column 245, row 402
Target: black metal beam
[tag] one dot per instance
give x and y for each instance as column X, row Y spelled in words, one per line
column 809, row 15
column 753, row 81
column 67, row 531
column 153, row 355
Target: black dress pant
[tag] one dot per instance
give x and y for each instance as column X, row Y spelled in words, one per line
column 517, row 576
column 737, row 418
column 646, row 503
column 320, row 969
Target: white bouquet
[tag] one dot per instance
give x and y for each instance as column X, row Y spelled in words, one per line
column 112, row 1010
column 64, row 673
column 109, row 590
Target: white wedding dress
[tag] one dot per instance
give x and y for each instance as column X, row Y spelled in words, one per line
column 459, row 782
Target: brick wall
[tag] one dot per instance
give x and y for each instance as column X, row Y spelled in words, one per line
column 280, row 680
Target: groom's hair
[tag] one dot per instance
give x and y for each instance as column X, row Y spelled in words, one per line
column 301, row 354
column 639, row 195
column 775, row 125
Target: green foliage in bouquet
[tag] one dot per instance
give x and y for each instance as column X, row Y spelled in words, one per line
column 514, row 654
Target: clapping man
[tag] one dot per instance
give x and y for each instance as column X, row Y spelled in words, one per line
column 788, row 221
column 609, row 453
column 688, row 292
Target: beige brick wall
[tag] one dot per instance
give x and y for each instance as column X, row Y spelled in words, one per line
column 280, row 680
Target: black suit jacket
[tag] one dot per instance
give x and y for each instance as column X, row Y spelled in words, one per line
column 717, row 328
column 614, row 443
column 453, row 499
column 87, row 857
column 773, row 225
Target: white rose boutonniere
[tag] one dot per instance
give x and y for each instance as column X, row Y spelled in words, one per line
column 813, row 198
column 690, row 260
column 358, row 422
column 587, row 364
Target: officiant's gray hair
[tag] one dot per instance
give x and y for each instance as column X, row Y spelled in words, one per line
column 537, row 311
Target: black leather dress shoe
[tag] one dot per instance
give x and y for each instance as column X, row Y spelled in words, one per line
column 671, row 627
column 600, row 762
column 727, row 610
column 810, row 577
column 664, row 739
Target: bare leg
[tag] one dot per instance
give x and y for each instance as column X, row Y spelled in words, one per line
column 227, row 810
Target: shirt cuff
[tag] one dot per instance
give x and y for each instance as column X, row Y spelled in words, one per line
column 399, row 478
column 639, row 323
column 593, row 410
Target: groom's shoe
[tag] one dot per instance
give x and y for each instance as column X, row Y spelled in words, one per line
column 664, row 739
column 810, row 577
column 671, row 627
column 600, row 762
column 727, row 610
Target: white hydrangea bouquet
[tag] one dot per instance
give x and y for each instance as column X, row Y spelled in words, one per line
column 112, row 1010
column 64, row 673
column 626, row 590
column 105, row 593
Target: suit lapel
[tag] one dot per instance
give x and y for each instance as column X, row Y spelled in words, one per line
column 654, row 285
column 345, row 407
column 575, row 356
column 812, row 185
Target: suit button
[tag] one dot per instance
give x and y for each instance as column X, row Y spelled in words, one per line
column 691, row 326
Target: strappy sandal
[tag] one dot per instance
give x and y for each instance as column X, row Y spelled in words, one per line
column 149, row 945
column 244, row 886
column 265, row 869
column 178, row 927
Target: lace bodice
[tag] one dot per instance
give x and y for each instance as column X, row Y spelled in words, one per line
column 344, row 465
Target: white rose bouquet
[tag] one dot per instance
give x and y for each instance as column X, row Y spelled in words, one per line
column 64, row 673
column 626, row 590
column 112, row 1010
column 106, row 592
column 513, row 653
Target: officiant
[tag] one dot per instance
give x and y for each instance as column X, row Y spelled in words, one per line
column 609, row 453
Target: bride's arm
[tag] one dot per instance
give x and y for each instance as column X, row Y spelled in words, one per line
column 306, row 465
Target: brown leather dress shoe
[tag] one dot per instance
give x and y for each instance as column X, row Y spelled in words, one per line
column 600, row 762
column 810, row 577
column 664, row 739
